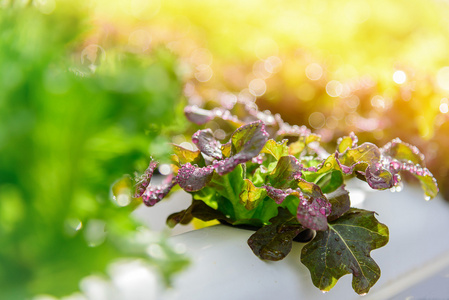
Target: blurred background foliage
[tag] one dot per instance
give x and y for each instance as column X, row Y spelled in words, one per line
column 378, row 68
column 73, row 119
column 89, row 89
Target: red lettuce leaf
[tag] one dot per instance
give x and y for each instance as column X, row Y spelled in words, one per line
column 279, row 195
column 344, row 249
column 198, row 115
column 246, row 143
column 313, row 213
column 249, row 139
column 192, row 178
column 205, row 141
column 201, row 116
column 144, row 179
column 154, row 194
column 340, row 202
column 274, row 242
column 378, row 177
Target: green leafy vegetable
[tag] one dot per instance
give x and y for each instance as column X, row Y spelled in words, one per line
column 182, row 156
column 277, row 150
column 287, row 186
column 251, row 195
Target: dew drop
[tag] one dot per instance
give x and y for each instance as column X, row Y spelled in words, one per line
column 399, row 187
column 419, row 172
column 312, row 213
column 363, row 294
column 323, row 211
column 427, row 197
column 323, row 291
column 395, row 165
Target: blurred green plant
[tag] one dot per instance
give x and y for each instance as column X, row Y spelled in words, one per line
column 69, row 128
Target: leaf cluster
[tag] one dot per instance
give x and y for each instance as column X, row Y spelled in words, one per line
column 279, row 179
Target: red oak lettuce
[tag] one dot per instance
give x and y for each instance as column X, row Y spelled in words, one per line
column 279, row 180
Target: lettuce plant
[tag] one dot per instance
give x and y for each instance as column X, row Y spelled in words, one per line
column 278, row 179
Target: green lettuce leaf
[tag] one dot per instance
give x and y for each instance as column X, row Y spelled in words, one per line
column 183, row 156
column 275, row 149
column 251, row 196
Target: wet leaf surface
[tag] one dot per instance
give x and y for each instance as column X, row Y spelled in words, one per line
column 429, row 185
column 284, row 172
column 144, row 180
column 192, row 178
column 251, row 195
column 340, row 202
column 274, row 241
column 347, row 142
column 345, row 249
column 205, row 141
column 183, row 156
column 154, row 194
column 378, row 178
column 275, row 149
column 329, row 182
column 249, row 139
column 401, row 151
column 313, row 213
column 365, row 153
column 246, row 143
